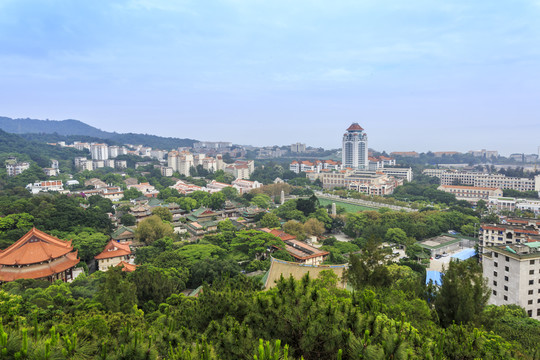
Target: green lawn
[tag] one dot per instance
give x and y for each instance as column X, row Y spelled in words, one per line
column 348, row 207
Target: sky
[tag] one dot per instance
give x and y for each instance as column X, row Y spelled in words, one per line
column 416, row 75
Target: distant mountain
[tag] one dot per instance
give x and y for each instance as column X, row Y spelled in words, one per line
column 76, row 127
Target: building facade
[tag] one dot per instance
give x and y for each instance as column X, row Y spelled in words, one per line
column 471, row 193
column 355, row 148
column 513, row 274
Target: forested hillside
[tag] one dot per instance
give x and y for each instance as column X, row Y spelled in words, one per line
column 76, row 127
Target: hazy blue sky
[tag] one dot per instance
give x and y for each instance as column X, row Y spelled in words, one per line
column 417, row 75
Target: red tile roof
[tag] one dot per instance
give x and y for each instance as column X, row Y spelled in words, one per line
column 114, row 249
column 355, row 127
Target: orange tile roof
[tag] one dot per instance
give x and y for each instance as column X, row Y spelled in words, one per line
column 114, row 249
column 127, row 267
column 38, row 271
column 34, row 247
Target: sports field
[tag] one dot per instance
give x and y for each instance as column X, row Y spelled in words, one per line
column 348, row 207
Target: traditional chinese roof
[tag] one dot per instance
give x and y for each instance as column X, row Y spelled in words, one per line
column 38, row 271
column 114, row 249
column 34, row 247
column 355, row 127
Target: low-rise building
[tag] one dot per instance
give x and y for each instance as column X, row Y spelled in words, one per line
column 147, row 189
column 300, row 251
column 245, row 186
column 513, row 274
column 365, row 181
column 45, row 186
column 471, row 193
column 113, row 254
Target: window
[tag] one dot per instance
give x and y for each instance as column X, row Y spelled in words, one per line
column 494, row 283
column 506, row 268
column 529, row 312
column 531, row 282
column 496, row 255
column 507, row 258
column 505, row 288
column 494, row 273
column 529, row 302
column 531, row 272
column 531, row 292
column 506, row 278
column 531, row 262
column 537, row 312
column 505, row 297
column 495, row 264
column 494, row 293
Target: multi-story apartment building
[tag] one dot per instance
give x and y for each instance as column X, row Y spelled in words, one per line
column 355, row 148
column 513, row 274
column 99, row 151
column 16, row 168
column 212, row 145
column 471, row 193
column 181, row 161
column 516, row 231
column 240, row 169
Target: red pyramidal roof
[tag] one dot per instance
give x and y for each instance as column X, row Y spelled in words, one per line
column 355, row 127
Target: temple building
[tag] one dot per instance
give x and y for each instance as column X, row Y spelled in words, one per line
column 113, row 254
column 38, row 255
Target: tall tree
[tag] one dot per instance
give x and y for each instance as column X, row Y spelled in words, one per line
column 463, row 293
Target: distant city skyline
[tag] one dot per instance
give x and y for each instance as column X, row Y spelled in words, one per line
column 416, row 75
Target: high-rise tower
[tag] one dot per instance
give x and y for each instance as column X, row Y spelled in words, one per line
column 355, row 148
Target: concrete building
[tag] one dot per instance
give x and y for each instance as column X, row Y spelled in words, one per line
column 45, row 186
column 298, row 148
column 15, row 168
column 355, row 148
column 99, row 151
column 509, row 204
column 245, row 186
column 365, row 181
column 478, row 179
column 513, row 274
column 181, row 161
column 471, row 193
column 486, row 154
column 400, row 173
column 212, row 145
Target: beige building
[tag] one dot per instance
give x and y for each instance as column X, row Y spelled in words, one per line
column 452, row 177
column 113, row 254
column 364, row 181
column 513, row 274
column 471, row 193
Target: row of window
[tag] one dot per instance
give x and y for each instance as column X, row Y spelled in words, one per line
column 531, row 282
